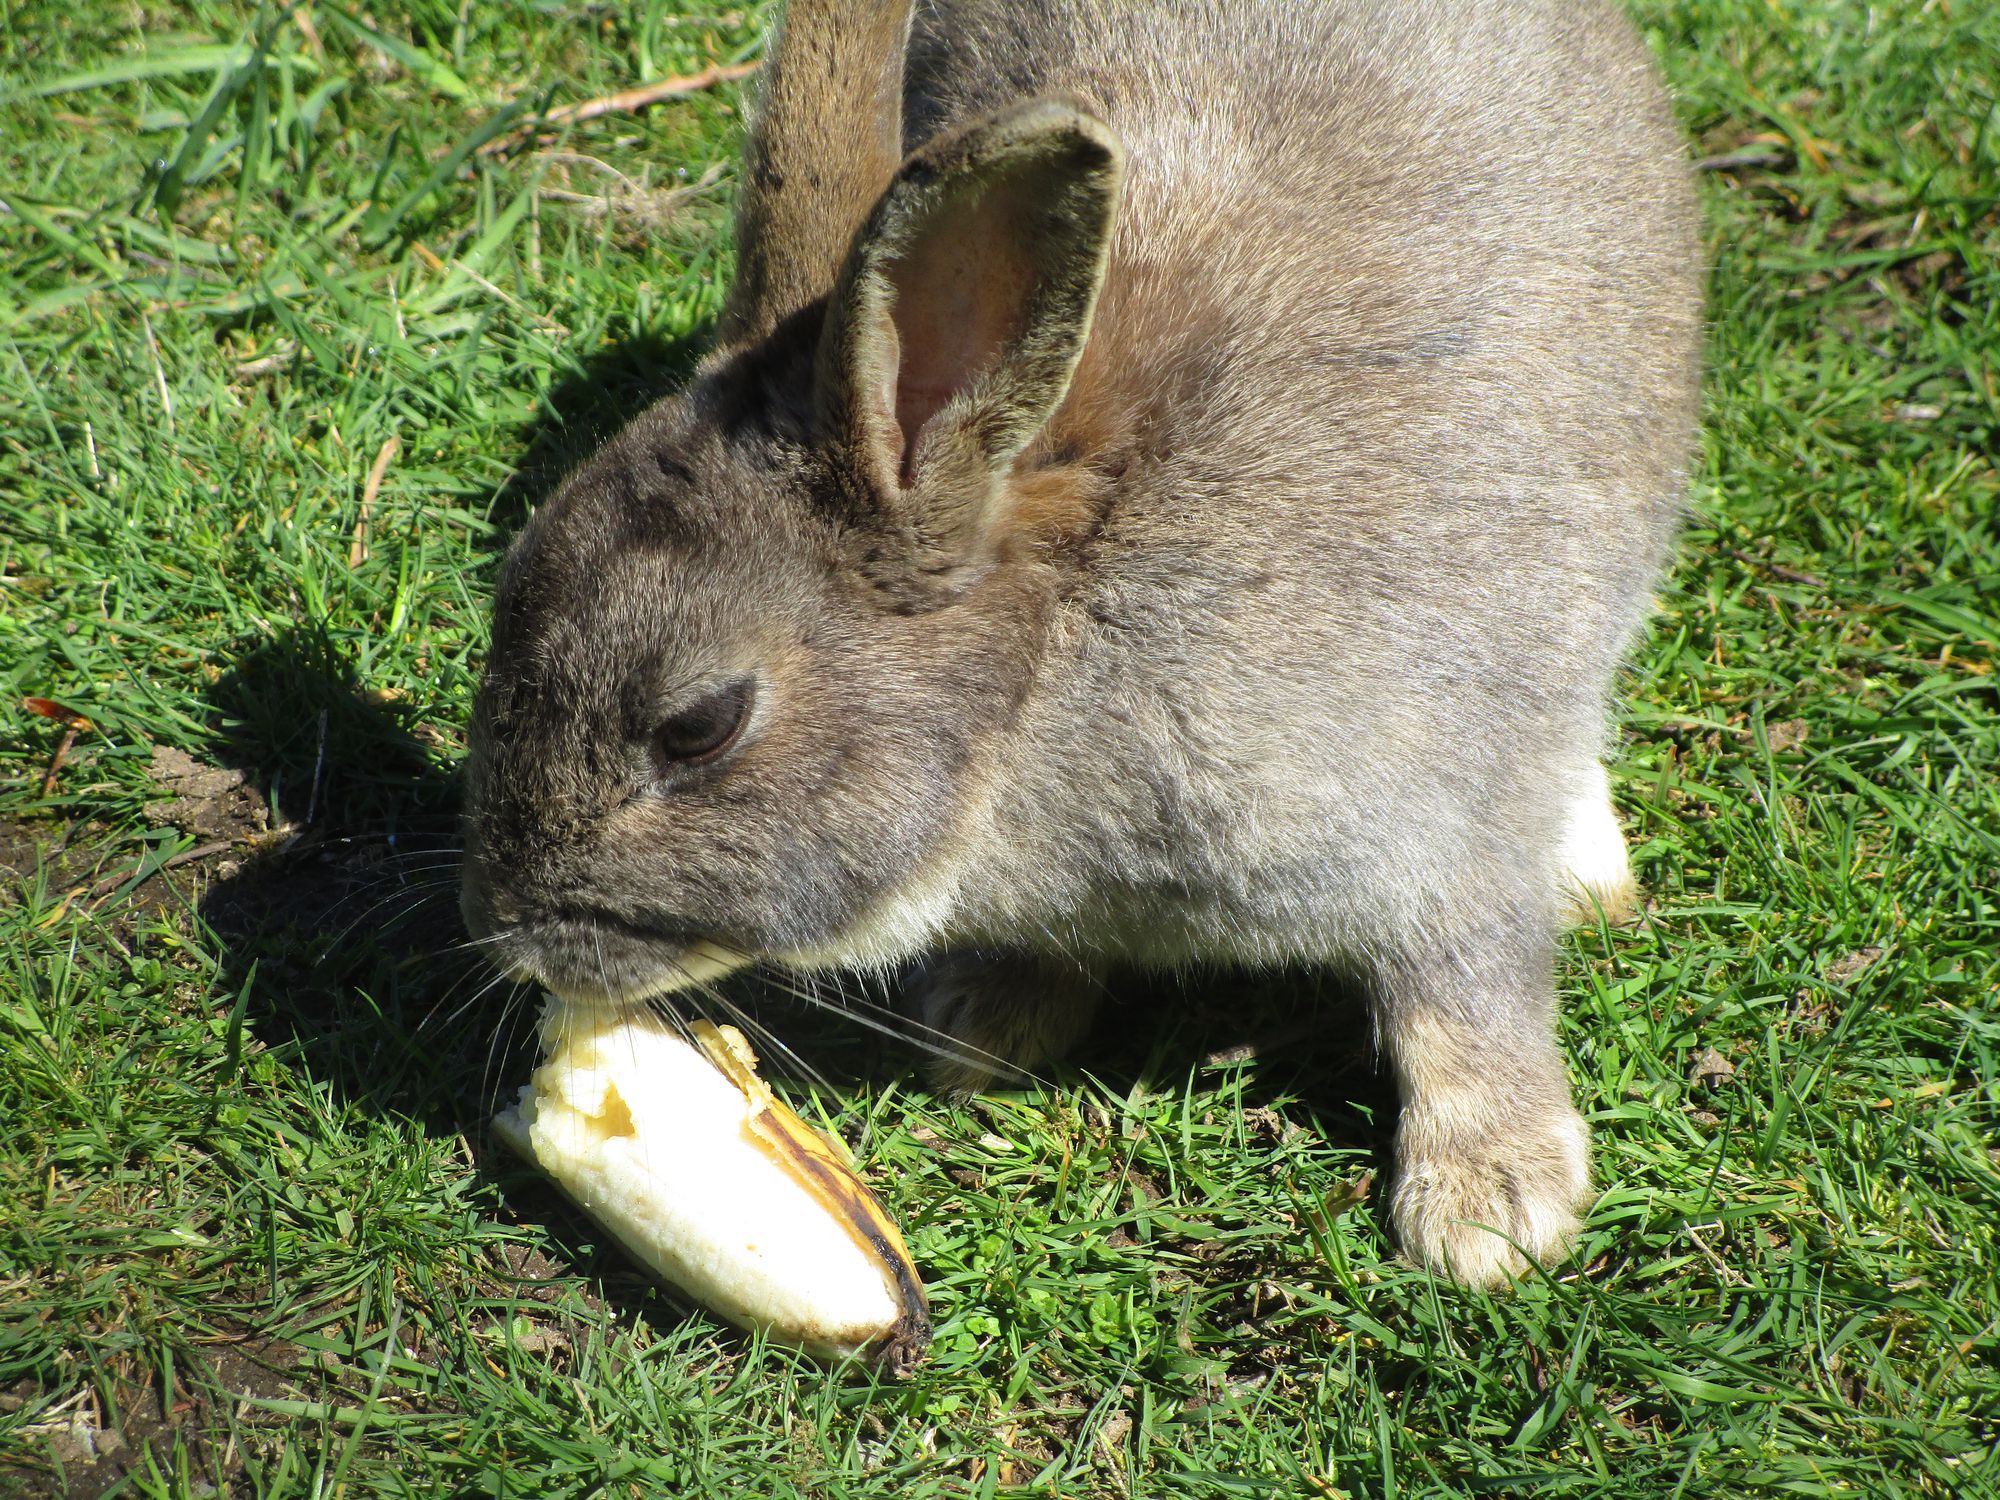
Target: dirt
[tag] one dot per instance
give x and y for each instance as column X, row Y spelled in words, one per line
column 1847, row 968
column 79, row 1448
column 66, row 854
column 1709, row 1069
column 1788, row 735
column 249, row 873
column 93, row 865
column 209, row 802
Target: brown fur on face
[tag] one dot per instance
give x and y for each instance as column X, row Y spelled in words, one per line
column 1181, row 477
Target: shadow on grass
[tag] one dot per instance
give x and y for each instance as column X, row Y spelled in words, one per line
column 323, row 859
column 586, row 408
column 342, row 925
column 351, row 922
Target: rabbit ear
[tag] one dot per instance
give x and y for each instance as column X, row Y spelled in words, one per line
column 958, row 321
column 828, row 136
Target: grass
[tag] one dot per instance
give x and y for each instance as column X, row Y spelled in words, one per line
column 250, row 1227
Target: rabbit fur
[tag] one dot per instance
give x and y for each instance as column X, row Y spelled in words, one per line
column 1175, row 484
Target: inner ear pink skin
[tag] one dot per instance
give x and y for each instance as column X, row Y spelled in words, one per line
column 962, row 295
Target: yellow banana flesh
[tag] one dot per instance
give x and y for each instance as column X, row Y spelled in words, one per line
column 706, row 1178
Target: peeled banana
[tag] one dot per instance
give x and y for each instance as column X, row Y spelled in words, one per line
column 683, row 1154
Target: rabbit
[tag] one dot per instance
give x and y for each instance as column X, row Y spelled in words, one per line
column 1173, row 485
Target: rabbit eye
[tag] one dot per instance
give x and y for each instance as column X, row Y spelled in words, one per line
column 700, row 734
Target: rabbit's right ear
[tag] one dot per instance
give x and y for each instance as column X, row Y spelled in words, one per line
column 954, row 330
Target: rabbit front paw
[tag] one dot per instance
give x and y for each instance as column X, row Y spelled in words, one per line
column 987, row 1014
column 1469, row 1202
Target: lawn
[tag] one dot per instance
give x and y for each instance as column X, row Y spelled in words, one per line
column 301, row 308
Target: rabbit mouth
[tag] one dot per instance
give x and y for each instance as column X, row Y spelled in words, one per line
column 698, row 964
column 693, row 968
column 611, row 970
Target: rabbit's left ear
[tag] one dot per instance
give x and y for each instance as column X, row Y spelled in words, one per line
column 959, row 318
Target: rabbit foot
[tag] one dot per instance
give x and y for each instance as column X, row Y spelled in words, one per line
column 1470, row 1202
column 992, row 1014
column 1596, row 873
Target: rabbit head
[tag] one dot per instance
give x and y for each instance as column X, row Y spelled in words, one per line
column 745, row 659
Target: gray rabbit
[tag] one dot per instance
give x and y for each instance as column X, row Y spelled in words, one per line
column 1175, row 484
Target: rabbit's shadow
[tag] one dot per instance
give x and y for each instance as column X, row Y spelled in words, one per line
column 586, row 406
column 340, row 926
